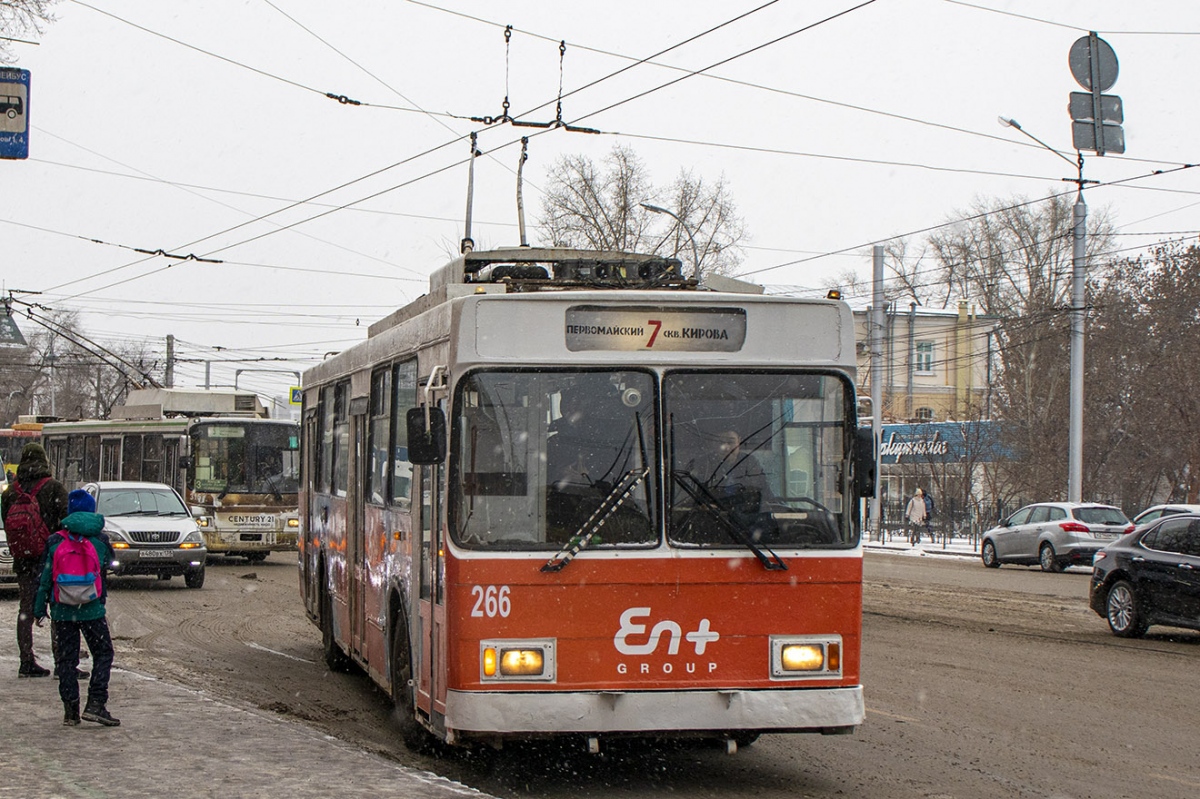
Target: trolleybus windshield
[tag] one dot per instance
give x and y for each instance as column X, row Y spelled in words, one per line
column 757, row 459
column 244, row 458
column 540, row 458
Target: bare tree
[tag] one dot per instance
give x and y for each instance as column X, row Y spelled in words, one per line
column 1141, row 410
column 61, row 374
column 601, row 208
column 21, row 18
column 1013, row 259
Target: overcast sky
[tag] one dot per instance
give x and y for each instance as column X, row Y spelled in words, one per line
column 201, row 128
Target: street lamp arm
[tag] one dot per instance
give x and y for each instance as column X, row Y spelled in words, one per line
column 1012, row 123
column 658, row 209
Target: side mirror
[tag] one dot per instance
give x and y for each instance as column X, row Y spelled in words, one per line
column 426, row 445
column 864, row 462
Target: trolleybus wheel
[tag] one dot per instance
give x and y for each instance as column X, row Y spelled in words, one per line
column 256, row 557
column 335, row 657
column 404, row 690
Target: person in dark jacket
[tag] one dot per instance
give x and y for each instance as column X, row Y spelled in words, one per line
column 88, row 619
column 52, row 501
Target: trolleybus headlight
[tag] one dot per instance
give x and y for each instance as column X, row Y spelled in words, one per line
column 293, row 523
column 516, row 660
column 805, row 656
column 202, row 521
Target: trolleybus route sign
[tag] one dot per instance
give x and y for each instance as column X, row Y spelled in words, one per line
column 591, row 327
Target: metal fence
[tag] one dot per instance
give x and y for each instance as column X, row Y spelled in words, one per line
column 950, row 521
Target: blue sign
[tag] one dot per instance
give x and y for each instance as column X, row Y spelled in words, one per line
column 14, row 113
column 295, row 395
column 939, row 442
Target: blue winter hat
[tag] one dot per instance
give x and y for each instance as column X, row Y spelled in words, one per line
column 80, row 501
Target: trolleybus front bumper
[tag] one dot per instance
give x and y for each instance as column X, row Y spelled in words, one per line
column 654, row 713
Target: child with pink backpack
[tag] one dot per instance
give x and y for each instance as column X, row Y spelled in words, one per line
column 73, row 586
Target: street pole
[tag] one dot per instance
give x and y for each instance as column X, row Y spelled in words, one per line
column 877, row 322
column 1078, row 298
column 1078, row 309
column 657, row 209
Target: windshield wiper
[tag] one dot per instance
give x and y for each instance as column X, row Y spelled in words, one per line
column 588, row 530
column 705, row 500
column 274, row 491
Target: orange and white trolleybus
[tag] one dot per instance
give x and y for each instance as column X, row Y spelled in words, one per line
column 572, row 493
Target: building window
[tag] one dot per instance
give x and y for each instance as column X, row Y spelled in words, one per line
column 924, row 414
column 924, row 356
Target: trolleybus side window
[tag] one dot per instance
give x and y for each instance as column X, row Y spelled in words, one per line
column 541, row 458
column 404, row 382
column 341, row 439
column 379, row 436
column 131, row 457
column 325, row 460
column 152, row 459
column 758, row 457
column 91, row 456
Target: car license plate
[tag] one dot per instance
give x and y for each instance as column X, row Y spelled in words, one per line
column 1106, row 536
column 156, row 553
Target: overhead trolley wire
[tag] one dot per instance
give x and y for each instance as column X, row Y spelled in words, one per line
column 431, row 150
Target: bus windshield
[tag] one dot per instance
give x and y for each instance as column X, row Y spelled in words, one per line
column 542, row 458
column 245, row 458
column 756, row 458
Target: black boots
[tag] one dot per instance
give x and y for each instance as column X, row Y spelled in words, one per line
column 32, row 669
column 71, row 714
column 95, row 711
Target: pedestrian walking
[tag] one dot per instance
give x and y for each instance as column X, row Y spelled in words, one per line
column 929, row 515
column 73, row 586
column 915, row 515
column 33, row 506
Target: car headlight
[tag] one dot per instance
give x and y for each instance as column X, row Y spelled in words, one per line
column 805, row 657
column 522, row 660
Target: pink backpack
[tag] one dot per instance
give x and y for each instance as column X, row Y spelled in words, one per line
column 76, row 571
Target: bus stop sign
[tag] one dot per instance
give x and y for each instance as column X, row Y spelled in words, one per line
column 14, row 113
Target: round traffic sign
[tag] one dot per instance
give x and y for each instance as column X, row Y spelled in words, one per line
column 1081, row 60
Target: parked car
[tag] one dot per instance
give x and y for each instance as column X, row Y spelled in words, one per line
column 1151, row 576
column 7, row 575
column 1053, row 534
column 1155, row 512
column 151, row 531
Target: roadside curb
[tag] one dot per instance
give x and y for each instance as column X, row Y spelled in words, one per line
column 214, row 747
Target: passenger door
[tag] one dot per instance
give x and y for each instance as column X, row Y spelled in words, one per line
column 1006, row 537
column 1030, row 534
column 1169, row 574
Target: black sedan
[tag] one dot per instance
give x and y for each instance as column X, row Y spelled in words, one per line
column 1151, row 576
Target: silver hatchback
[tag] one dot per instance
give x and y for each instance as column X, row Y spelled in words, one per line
column 1053, row 535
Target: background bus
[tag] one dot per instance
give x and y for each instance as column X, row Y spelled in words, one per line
column 236, row 469
column 28, row 429
column 567, row 494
